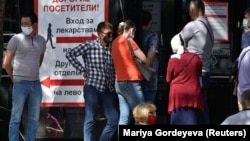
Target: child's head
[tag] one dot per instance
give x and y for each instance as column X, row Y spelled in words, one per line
column 145, row 113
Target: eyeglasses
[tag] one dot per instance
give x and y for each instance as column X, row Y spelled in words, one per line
column 108, row 33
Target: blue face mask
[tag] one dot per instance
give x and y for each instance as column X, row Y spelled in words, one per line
column 245, row 23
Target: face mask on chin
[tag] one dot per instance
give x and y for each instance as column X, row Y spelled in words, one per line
column 132, row 34
column 26, row 30
column 245, row 23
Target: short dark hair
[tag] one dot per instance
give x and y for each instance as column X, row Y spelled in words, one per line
column 146, row 17
column 103, row 25
column 199, row 5
column 245, row 97
column 31, row 15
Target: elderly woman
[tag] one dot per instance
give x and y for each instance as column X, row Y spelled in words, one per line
column 185, row 97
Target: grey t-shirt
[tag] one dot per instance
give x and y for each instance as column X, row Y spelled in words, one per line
column 240, row 118
column 197, row 39
column 26, row 62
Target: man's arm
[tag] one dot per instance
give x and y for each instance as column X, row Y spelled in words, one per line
column 8, row 63
column 41, row 58
column 150, row 58
column 153, row 49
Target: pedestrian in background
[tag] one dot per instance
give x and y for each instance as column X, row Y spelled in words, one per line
column 183, row 74
column 150, row 47
column 245, row 38
column 23, row 58
column 243, row 76
column 98, row 89
column 128, row 76
column 242, row 117
column 245, row 44
column 198, row 37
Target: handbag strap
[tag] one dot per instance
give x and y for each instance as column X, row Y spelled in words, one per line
column 130, row 48
column 207, row 30
column 186, row 65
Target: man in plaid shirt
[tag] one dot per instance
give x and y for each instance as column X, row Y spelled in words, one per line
column 98, row 89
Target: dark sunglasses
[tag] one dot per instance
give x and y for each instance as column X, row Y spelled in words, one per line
column 108, row 33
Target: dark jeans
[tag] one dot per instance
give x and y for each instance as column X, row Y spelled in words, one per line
column 205, row 81
column 109, row 103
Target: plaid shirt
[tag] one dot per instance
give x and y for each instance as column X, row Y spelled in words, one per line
column 98, row 60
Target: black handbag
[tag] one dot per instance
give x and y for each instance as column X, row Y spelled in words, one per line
column 146, row 71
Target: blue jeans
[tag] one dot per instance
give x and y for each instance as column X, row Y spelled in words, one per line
column 108, row 101
column 130, row 95
column 30, row 92
column 125, row 110
column 205, row 81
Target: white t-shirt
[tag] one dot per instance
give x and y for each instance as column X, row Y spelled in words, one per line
column 240, row 118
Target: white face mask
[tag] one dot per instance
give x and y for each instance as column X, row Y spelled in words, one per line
column 245, row 23
column 27, row 30
column 132, row 35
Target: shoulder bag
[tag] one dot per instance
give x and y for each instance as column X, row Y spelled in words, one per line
column 145, row 70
